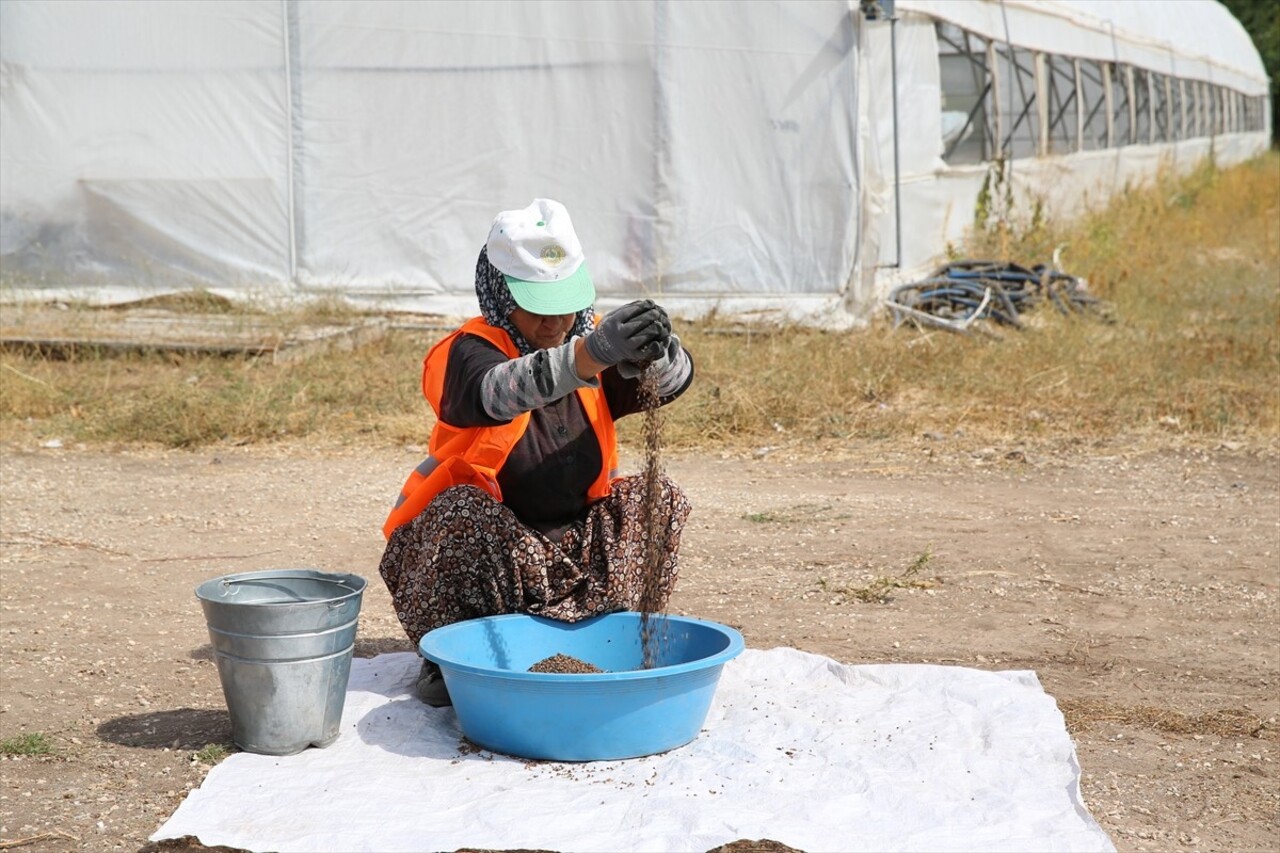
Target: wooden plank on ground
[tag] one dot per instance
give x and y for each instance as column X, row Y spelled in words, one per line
column 149, row 329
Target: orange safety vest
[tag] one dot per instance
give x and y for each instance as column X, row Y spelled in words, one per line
column 474, row 455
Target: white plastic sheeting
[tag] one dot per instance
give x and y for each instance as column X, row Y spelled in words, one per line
column 720, row 156
column 143, row 143
column 701, row 151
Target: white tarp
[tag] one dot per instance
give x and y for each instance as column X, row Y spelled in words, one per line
column 797, row 748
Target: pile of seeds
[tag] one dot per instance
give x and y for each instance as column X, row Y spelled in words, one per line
column 651, row 521
column 564, row 663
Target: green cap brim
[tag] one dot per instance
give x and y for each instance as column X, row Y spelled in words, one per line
column 566, row 296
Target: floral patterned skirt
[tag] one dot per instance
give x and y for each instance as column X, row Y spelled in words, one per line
column 467, row 555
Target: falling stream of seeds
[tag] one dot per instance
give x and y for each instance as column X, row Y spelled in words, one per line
column 655, row 539
column 654, row 547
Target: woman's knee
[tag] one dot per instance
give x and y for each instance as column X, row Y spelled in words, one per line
column 460, row 497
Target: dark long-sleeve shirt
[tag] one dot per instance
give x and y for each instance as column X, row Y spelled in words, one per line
column 546, row 477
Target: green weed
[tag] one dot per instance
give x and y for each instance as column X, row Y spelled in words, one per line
column 212, row 753
column 33, row 743
column 879, row 590
column 790, row 515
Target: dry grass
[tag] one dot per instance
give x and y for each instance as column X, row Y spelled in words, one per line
column 1191, row 266
column 190, row 401
column 1084, row 714
column 1192, row 269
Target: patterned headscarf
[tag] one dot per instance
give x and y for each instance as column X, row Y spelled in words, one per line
column 496, row 305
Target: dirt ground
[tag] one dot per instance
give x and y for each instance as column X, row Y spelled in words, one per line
column 1141, row 586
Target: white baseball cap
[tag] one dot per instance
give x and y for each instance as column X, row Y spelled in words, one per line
column 539, row 254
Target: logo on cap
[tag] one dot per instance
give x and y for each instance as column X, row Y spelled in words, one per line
column 553, row 255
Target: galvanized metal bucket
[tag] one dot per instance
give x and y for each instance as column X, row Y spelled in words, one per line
column 283, row 640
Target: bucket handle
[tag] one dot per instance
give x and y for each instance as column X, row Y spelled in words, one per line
column 229, row 587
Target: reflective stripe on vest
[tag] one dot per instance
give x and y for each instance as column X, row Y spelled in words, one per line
column 475, row 455
column 419, row 473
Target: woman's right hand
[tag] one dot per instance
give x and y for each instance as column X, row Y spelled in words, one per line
column 637, row 332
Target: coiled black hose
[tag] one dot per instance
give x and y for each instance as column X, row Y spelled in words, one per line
column 960, row 293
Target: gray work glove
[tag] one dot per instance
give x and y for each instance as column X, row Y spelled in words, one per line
column 637, row 332
column 632, row 369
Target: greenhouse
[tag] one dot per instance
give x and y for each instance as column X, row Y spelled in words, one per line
column 773, row 159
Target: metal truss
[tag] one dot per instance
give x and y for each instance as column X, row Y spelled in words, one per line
column 1032, row 103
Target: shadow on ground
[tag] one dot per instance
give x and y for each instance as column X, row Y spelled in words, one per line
column 184, row 728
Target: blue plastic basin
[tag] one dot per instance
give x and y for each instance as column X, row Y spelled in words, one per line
column 623, row 712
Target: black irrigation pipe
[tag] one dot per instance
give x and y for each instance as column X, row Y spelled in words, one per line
column 961, row 293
